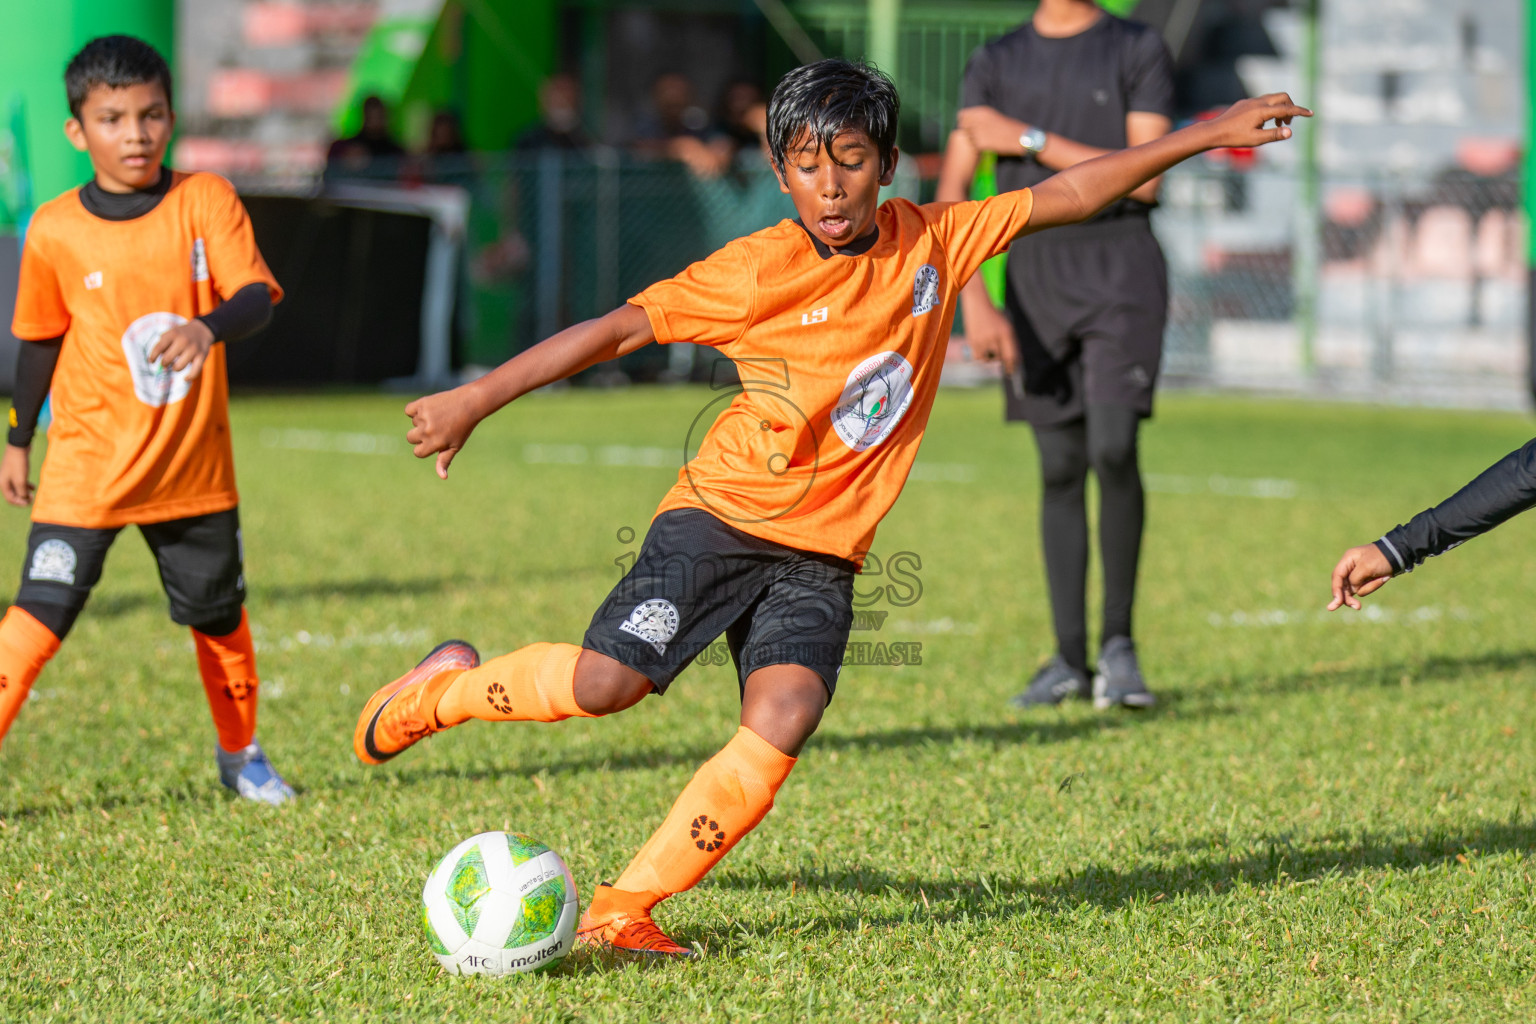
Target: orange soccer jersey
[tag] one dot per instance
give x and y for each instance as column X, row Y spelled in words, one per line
column 839, row 358
column 131, row 442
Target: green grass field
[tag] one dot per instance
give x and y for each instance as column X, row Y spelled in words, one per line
column 1326, row 818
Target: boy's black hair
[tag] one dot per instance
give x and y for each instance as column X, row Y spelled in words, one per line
column 115, row 62
column 832, row 96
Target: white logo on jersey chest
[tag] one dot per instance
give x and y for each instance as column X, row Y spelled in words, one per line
column 199, row 260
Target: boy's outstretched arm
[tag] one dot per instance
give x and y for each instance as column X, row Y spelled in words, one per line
column 442, row 423
column 1084, row 189
column 1500, row 492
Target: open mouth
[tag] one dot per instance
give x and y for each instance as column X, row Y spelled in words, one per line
column 834, row 226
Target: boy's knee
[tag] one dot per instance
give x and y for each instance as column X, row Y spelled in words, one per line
column 217, row 623
column 59, row 619
column 604, row 685
column 784, row 707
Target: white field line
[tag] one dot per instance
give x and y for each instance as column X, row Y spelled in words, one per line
column 1227, row 486
column 294, row 439
column 653, row 457
column 656, row 457
column 1370, row 615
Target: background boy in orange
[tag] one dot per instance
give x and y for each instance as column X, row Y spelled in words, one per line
column 128, row 286
column 837, row 323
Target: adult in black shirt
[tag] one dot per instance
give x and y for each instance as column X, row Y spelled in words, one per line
column 1081, row 340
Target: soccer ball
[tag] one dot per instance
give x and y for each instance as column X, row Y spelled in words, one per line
column 499, row 903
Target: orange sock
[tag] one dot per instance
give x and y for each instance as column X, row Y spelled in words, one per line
column 536, row 683
column 228, row 667
column 724, row 800
column 25, row 647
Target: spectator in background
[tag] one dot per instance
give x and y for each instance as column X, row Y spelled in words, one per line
column 371, row 153
column 1086, row 306
column 743, row 124
column 678, row 129
column 444, row 160
column 559, row 124
column 445, row 137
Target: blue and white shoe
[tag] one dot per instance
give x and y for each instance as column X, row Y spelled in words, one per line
column 250, row 774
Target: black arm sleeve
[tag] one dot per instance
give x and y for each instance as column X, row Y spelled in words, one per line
column 34, row 376
column 1500, row 492
column 242, row 314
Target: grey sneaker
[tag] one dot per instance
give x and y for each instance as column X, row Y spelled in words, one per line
column 251, row 775
column 1119, row 680
column 1055, row 682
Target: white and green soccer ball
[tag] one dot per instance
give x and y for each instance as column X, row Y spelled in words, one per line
column 499, row 903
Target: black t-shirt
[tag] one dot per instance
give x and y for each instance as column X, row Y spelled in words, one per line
column 1078, row 86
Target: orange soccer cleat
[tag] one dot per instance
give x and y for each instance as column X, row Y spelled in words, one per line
column 401, row 713
column 610, row 926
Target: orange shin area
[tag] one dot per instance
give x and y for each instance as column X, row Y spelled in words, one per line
column 26, row 645
column 228, row 667
column 532, row 684
column 725, row 799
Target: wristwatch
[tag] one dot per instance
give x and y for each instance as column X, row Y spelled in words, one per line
column 1033, row 140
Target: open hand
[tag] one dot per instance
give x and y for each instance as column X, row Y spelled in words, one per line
column 1243, row 123
column 988, row 332
column 441, row 424
column 183, row 348
column 1362, row 570
column 15, row 467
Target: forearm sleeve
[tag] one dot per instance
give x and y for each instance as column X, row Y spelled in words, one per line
column 242, row 314
column 1503, row 490
column 35, row 362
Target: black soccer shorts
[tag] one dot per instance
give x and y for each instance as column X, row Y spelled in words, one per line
column 697, row 577
column 200, row 560
column 1088, row 309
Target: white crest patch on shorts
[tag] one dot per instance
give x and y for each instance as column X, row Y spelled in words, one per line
column 654, row 621
column 54, row 560
column 925, row 289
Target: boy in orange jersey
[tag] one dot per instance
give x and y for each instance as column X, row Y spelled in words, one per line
column 838, row 324
column 128, row 287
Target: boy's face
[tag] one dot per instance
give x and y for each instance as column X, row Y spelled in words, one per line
column 125, row 131
column 835, row 193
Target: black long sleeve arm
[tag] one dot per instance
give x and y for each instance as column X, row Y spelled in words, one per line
column 241, row 315
column 35, row 362
column 1500, row 492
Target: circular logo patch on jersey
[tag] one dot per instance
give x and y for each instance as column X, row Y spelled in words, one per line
column 153, row 384
column 925, row 289
column 654, row 621
column 54, row 561
column 874, row 401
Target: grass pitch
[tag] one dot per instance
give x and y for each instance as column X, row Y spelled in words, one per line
column 1326, row 817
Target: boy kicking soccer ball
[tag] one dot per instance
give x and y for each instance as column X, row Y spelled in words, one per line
column 837, row 323
column 1500, row 492
column 128, row 286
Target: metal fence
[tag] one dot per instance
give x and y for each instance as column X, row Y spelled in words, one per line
column 1419, row 293
column 933, row 44
column 558, row 237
